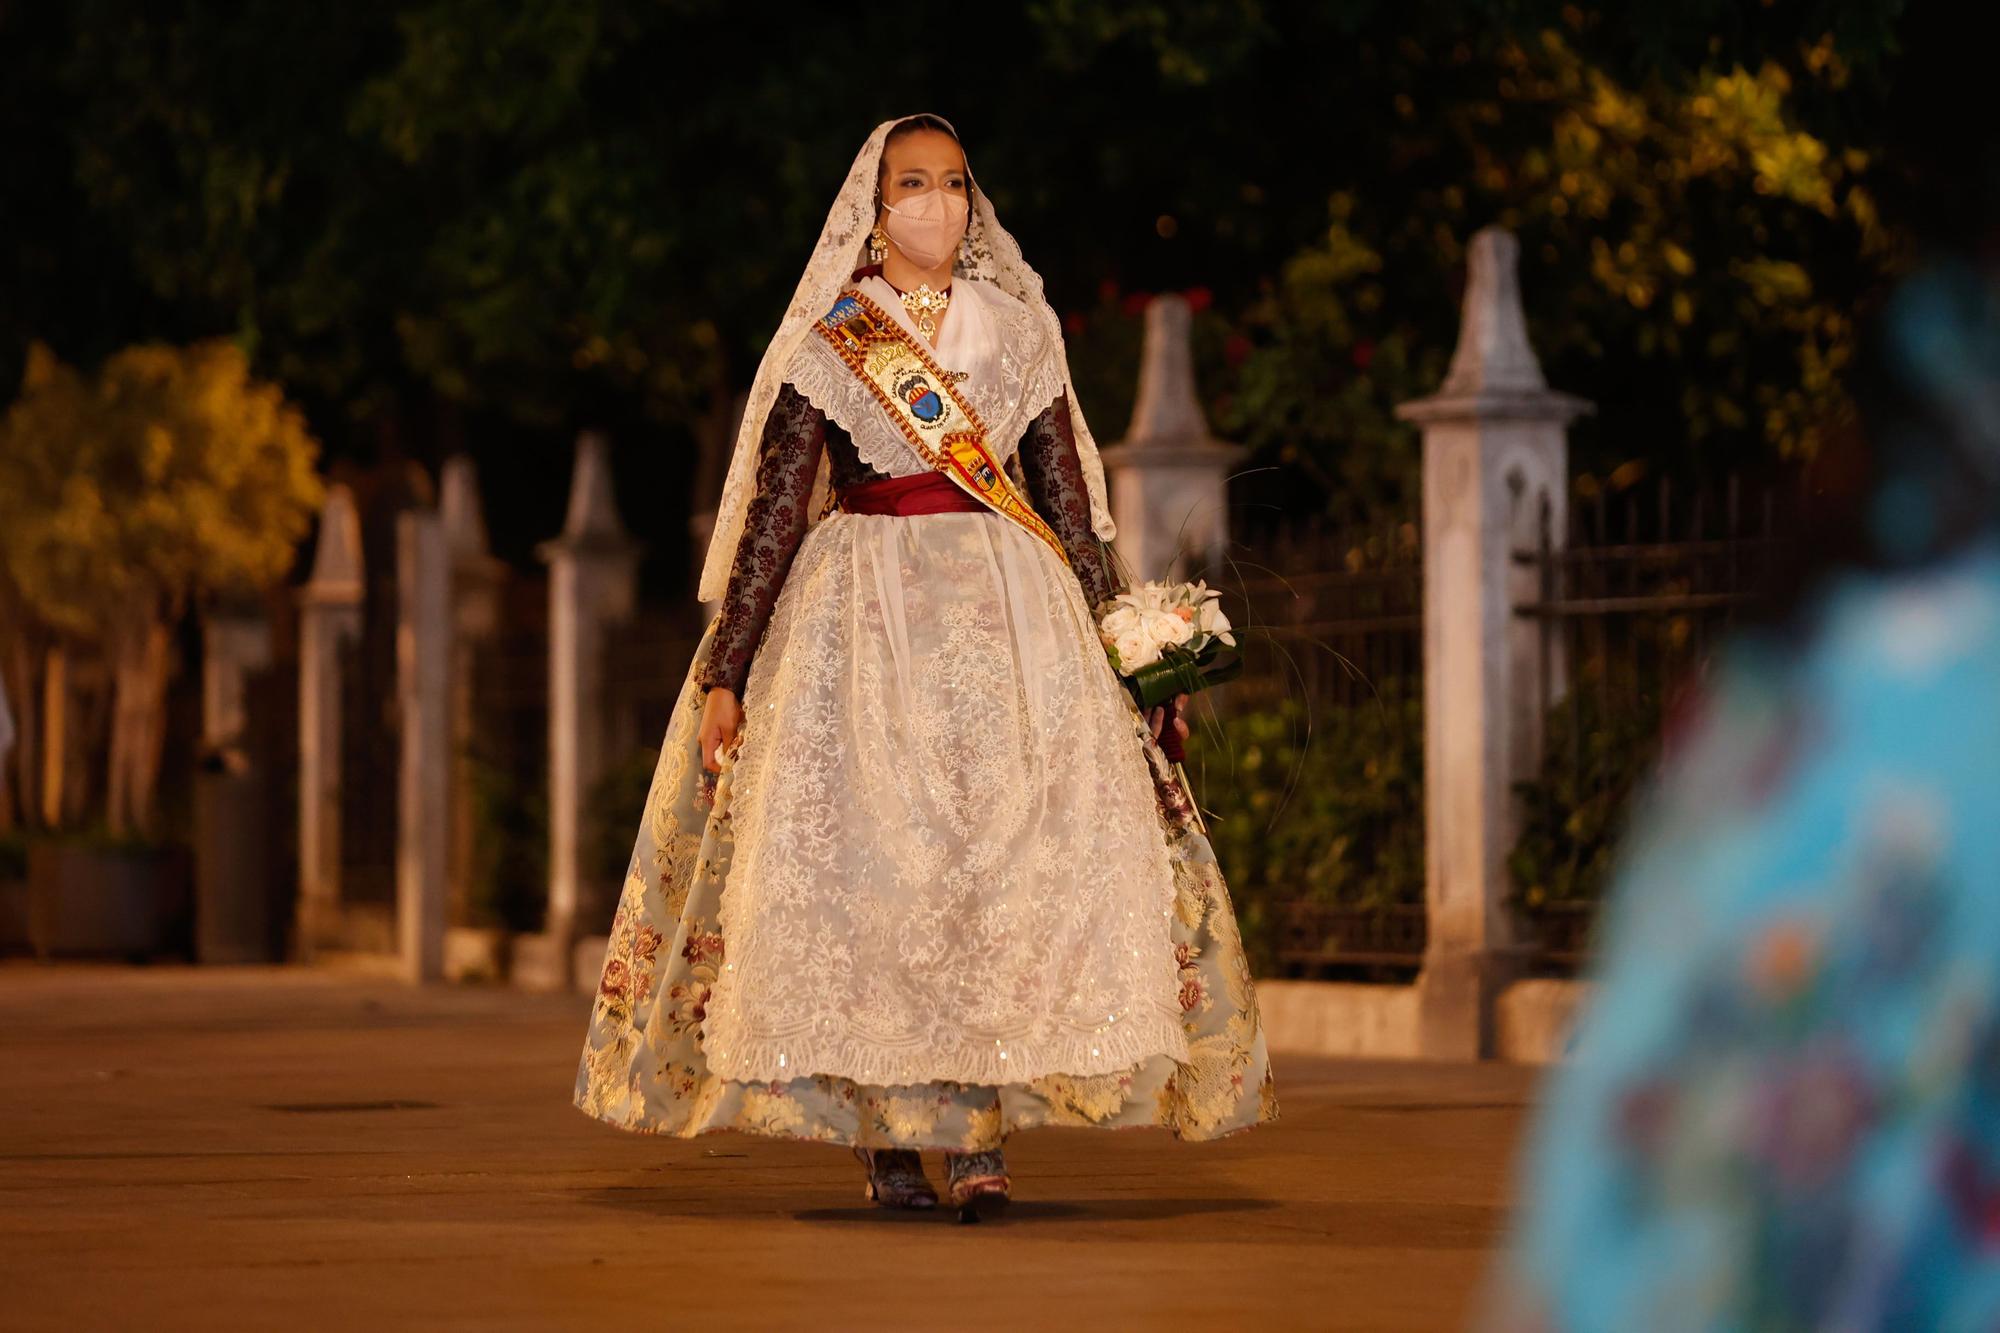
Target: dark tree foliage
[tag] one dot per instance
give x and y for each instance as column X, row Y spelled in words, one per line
column 483, row 223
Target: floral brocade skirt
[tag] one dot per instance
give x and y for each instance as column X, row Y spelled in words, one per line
column 667, row 972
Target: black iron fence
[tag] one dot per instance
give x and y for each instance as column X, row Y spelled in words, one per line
column 1332, row 610
column 1316, row 776
column 644, row 664
column 1630, row 604
column 505, row 766
column 1314, row 779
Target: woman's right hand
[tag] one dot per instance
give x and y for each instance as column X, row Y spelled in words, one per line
column 721, row 717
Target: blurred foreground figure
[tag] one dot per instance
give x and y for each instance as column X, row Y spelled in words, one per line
column 1783, row 1109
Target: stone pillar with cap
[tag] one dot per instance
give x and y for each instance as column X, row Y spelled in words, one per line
column 330, row 616
column 423, row 697
column 1495, row 453
column 593, row 586
column 1169, row 477
column 478, row 580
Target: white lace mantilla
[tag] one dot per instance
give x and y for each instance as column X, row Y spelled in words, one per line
column 948, row 862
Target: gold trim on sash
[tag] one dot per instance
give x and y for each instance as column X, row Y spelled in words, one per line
column 925, row 404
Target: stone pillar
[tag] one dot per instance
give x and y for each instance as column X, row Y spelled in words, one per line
column 478, row 581
column 423, row 680
column 1495, row 451
column 1168, row 477
column 329, row 617
column 593, row 585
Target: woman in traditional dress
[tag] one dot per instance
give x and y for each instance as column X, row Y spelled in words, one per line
column 913, row 871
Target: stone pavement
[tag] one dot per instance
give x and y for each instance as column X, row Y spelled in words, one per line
column 293, row 1149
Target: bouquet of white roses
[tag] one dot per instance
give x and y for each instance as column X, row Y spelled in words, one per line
column 1167, row 639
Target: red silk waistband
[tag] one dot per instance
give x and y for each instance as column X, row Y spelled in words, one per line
column 919, row 493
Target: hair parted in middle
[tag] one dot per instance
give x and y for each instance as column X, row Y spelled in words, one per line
column 917, row 125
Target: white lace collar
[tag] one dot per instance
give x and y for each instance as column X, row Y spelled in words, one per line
column 1010, row 375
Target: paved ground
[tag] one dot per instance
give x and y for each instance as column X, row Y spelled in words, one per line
column 266, row 1149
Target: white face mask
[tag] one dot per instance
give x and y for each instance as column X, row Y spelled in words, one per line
column 927, row 227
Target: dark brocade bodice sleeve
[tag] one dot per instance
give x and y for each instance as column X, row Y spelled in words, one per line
column 1054, row 476
column 774, row 523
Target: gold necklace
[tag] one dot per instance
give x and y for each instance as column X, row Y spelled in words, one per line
column 926, row 304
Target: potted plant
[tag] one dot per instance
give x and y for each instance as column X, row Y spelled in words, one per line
column 127, row 498
column 92, row 893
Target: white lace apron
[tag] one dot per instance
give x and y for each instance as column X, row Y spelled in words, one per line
column 948, row 861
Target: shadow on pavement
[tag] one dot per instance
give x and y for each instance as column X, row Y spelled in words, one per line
column 666, row 1202
column 1022, row 1211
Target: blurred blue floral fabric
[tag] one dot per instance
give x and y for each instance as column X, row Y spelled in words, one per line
column 1783, row 1109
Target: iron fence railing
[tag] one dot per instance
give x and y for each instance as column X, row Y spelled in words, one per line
column 1630, row 604
column 1313, row 777
column 1331, row 610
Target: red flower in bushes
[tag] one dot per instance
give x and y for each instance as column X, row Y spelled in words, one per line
column 1199, row 299
column 1135, row 303
column 1074, row 323
column 1363, row 353
column 1235, row 349
column 1107, row 290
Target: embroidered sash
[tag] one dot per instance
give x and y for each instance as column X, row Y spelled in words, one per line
column 920, row 398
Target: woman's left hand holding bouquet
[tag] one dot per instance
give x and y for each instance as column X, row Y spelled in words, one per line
column 1156, row 717
column 1167, row 640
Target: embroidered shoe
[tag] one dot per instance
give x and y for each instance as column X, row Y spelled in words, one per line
column 976, row 1183
column 896, row 1178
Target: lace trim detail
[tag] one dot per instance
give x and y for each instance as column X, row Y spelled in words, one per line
column 1046, row 391
column 802, row 1055
column 824, row 380
column 1028, row 376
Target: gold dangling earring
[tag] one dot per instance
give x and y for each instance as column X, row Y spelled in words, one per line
column 878, row 245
